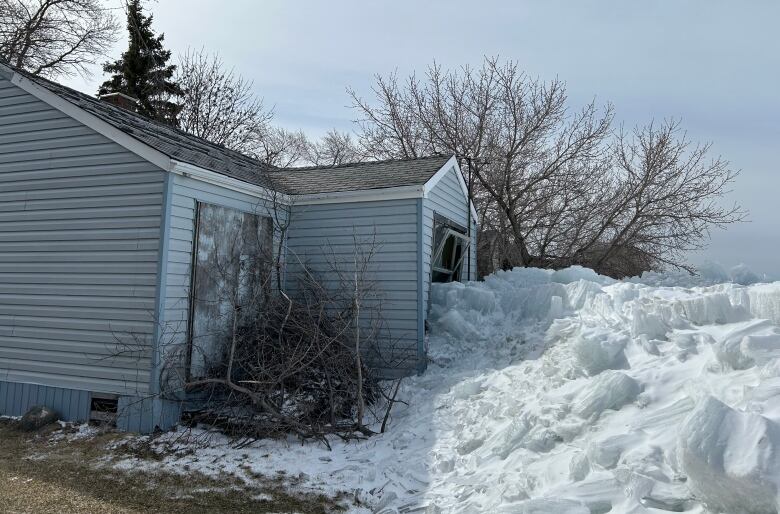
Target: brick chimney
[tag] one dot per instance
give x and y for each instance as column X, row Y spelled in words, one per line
column 121, row 100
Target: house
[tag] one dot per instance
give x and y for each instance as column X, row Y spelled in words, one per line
column 101, row 216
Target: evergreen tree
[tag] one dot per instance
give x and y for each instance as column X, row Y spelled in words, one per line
column 143, row 71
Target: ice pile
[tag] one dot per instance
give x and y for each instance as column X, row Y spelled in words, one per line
column 567, row 392
column 626, row 398
column 731, row 458
column 707, row 274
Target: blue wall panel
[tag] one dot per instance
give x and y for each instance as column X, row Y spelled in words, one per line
column 324, row 235
column 70, row 404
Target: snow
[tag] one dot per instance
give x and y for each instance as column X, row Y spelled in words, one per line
column 566, row 392
column 707, row 274
column 731, row 457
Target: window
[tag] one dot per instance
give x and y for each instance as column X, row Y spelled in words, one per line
column 231, row 260
column 450, row 246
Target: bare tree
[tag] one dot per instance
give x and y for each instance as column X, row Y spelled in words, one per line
column 333, row 149
column 55, row 37
column 552, row 185
column 667, row 199
column 218, row 104
column 282, row 148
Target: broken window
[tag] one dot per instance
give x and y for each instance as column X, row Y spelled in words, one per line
column 450, row 246
column 231, row 267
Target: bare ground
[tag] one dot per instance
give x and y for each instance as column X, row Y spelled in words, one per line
column 43, row 473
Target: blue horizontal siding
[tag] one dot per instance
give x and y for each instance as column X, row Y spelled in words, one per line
column 323, row 235
column 70, row 404
column 80, row 221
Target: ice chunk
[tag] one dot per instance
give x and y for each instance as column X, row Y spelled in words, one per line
column 575, row 273
column 466, row 389
column 579, row 467
column 454, row 323
column 648, row 345
column 466, row 447
column 765, row 301
column 690, row 341
column 669, row 497
column 645, row 323
column 514, row 436
column 664, row 416
column 609, row 390
column 543, row 440
column 523, row 432
column 712, row 308
column 556, row 307
column 743, row 352
column 475, row 299
column 606, row 452
column 762, row 349
column 729, row 354
column 582, row 293
column 707, row 274
column 731, row 458
column 597, row 350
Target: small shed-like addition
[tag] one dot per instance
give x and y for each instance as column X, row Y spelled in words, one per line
column 102, row 214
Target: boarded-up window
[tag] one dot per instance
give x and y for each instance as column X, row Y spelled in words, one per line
column 231, row 267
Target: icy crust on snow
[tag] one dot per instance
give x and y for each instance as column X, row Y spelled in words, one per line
column 640, row 399
column 731, row 458
column 567, row 392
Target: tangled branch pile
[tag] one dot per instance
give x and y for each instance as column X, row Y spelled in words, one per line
column 283, row 362
column 289, row 368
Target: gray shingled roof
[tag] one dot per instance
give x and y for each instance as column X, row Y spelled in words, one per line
column 359, row 176
column 190, row 149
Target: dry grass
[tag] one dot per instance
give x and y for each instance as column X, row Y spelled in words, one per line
column 43, row 474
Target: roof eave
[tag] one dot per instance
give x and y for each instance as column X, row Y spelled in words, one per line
column 362, row 195
column 218, row 179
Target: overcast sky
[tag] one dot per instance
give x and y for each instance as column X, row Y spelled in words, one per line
column 713, row 64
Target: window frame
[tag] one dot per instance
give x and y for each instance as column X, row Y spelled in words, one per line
column 451, row 229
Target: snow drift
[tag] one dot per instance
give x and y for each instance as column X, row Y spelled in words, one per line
column 568, row 392
column 624, row 397
column 731, row 458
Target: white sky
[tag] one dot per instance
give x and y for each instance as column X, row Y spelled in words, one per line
column 713, row 63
